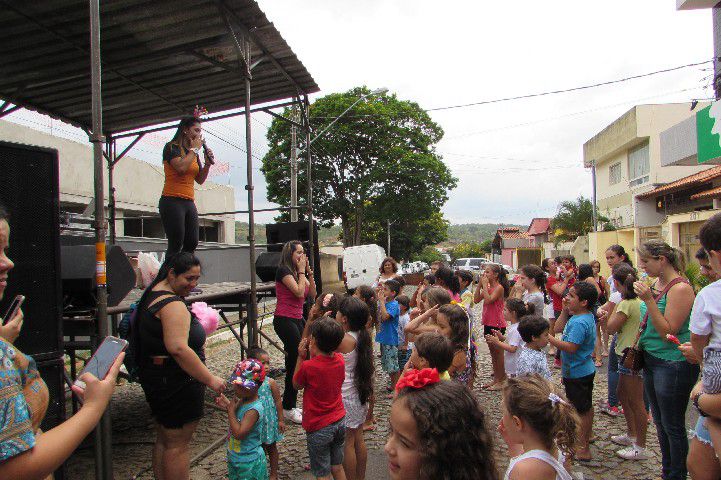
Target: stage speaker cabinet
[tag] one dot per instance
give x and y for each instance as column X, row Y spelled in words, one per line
column 279, row 233
column 29, row 190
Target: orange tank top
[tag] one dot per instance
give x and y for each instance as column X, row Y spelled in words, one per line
column 179, row 185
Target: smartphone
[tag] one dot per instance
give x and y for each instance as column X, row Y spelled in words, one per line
column 14, row 307
column 103, row 358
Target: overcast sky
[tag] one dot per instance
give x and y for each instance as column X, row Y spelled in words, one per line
column 515, row 160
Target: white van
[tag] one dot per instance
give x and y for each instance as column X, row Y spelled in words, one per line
column 361, row 265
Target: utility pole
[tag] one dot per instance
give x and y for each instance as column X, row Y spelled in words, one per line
column 716, row 15
column 388, row 253
column 593, row 180
column 293, row 167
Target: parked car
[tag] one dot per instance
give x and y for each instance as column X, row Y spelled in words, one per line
column 472, row 264
column 361, row 264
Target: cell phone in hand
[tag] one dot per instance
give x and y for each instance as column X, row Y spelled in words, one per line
column 103, row 358
column 13, row 309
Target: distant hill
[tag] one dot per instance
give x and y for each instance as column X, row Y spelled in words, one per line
column 474, row 232
column 325, row 235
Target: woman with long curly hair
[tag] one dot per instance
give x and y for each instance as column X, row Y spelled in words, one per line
column 438, row 431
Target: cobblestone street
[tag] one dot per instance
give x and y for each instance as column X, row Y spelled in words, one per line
column 133, row 433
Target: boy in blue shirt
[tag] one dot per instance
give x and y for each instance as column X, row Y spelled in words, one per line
column 388, row 334
column 576, row 347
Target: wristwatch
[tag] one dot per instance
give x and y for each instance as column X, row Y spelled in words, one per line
column 695, row 404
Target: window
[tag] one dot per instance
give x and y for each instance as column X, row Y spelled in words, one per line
column 638, row 165
column 614, row 174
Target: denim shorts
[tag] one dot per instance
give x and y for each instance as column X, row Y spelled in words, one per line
column 325, row 448
column 389, row 358
column 627, row 371
column 403, row 356
column 701, row 432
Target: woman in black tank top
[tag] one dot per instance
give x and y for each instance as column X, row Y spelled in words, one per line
column 171, row 363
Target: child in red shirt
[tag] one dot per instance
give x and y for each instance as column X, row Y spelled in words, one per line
column 320, row 372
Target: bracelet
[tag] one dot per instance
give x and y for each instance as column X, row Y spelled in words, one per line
column 695, row 404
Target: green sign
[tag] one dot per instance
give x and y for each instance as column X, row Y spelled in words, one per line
column 708, row 133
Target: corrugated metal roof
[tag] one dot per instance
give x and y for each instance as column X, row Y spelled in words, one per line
column 696, row 178
column 160, row 58
column 713, row 193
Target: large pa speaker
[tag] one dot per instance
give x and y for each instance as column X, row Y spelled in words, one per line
column 278, row 233
column 53, row 373
column 266, row 265
column 29, row 190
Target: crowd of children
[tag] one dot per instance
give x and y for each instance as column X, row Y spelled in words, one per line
column 428, row 353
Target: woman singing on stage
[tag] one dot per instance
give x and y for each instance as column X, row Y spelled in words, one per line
column 181, row 162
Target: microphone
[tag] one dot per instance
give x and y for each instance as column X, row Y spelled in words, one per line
column 205, row 151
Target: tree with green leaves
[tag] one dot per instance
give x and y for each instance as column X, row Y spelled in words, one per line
column 376, row 163
column 471, row 250
column 574, row 219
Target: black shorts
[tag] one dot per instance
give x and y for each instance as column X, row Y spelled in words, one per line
column 175, row 398
column 579, row 392
column 489, row 330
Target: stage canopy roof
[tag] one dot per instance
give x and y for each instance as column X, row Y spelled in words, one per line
column 160, row 58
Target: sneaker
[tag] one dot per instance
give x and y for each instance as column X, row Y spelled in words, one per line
column 609, row 410
column 293, row 415
column 623, row 440
column 633, row 452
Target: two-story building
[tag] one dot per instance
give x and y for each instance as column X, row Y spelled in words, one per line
column 626, row 157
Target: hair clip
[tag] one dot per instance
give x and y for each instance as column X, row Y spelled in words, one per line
column 417, row 379
column 199, row 111
column 326, row 299
column 555, row 399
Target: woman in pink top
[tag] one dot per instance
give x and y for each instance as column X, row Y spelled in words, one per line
column 492, row 290
column 293, row 284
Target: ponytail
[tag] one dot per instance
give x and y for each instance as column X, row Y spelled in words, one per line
column 548, row 413
column 565, row 426
column 519, row 307
column 625, row 274
column 356, row 312
column 502, row 278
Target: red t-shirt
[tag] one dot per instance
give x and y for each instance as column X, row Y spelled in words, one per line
column 322, row 377
column 556, row 298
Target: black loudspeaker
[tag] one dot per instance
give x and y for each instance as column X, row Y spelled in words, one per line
column 266, row 265
column 53, row 373
column 78, row 274
column 29, row 190
column 279, row 233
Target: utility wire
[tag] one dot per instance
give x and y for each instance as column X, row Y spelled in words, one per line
column 573, row 89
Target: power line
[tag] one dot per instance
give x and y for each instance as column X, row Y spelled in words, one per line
column 573, row 89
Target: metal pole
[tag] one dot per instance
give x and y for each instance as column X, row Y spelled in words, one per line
column 309, row 176
column 716, row 16
column 389, row 238
column 293, row 169
column 112, row 153
column 253, row 305
column 593, row 181
column 103, row 432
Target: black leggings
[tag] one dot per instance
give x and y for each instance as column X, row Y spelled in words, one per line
column 289, row 330
column 180, row 222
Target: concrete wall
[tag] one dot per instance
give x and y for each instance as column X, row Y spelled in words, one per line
column 138, row 184
column 598, row 243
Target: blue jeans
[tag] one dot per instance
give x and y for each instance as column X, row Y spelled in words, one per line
column 612, row 374
column 668, row 386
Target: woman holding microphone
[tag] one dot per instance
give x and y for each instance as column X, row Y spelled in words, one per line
column 294, row 283
column 182, row 166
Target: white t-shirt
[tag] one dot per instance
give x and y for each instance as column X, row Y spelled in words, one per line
column 535, row 299
column 514, row 339
column 706, row 314
column 615, row 298
column 611, row 284
column 402, row 322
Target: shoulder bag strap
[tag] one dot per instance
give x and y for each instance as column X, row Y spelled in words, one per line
column 644, row 322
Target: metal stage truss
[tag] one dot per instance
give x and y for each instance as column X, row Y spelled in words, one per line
column 159, row 58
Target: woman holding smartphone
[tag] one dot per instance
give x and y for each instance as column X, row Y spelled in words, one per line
column 171, row 363
column 25, row 452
